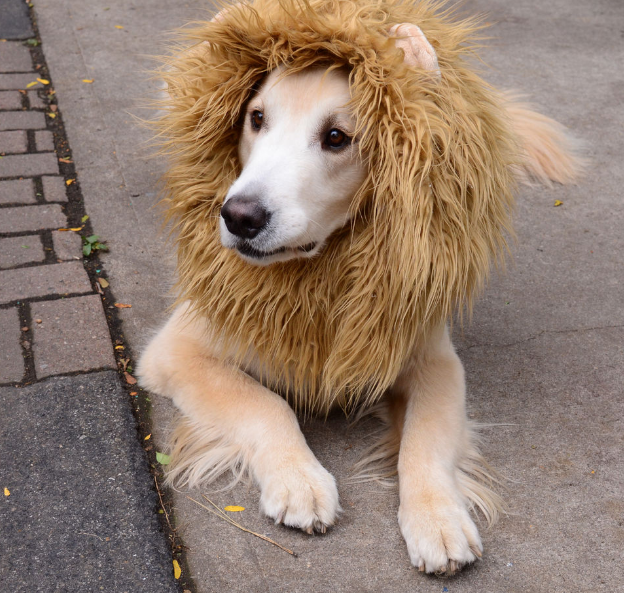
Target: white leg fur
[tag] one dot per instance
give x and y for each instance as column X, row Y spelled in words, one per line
column 232, row 421
column 434, row 509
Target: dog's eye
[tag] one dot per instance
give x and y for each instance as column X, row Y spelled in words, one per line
column 256, row 119
column 335, row 139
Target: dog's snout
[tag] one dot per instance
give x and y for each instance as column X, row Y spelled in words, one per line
column 244, row 216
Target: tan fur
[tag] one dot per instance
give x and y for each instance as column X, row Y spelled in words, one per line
column 367, row 316
column 424, row 229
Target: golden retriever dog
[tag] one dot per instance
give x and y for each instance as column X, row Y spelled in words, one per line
column 340, row 182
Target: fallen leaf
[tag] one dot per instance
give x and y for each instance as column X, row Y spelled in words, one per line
column 43, row 81
column 177, row 571
column 558, row 202
column 162, row 458
column 7, row 492
column 88, row 80
column 66, row 161
column 134, row 393
column 148, row 437
column 53, row 107
column 51, row 115
column 119, row 347
column 33, row 83
column 84, row 218
column 129, row 378
column 103, row 282
column 122, row 306
column 69, row 181
column 38, row 320
column 233, row 508
column 118, row 27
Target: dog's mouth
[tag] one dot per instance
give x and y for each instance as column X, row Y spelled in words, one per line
column 246, row 249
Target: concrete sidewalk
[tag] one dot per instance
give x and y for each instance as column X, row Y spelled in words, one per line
column 544, row 354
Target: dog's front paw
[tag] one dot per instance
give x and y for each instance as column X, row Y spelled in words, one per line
column 440, row 535
column 300, row 494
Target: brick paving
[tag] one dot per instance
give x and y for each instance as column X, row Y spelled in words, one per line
column 43, row 282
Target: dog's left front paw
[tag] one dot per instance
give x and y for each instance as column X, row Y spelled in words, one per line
column 439, row 533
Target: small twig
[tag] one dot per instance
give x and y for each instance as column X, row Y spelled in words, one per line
column 162, row 506
column 93, row 534
column 231, row 521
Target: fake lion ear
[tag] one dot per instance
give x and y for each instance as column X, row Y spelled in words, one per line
column 418, row 52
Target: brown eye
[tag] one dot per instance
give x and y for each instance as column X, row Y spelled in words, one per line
column 336, row 139
column 256, row 119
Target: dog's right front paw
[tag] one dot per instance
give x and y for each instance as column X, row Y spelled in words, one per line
column 300, row 494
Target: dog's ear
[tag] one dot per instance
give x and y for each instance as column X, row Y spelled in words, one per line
column 418, row 52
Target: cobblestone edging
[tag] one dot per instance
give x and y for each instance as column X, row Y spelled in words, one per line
column 51, row 312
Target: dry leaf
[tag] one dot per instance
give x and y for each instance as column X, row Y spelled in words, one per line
column 134, row 393
column 129, row 378
column 177, row 571
column 118, row 27
column 148, row 437
column 43, row 81
column 558, row 202
column 119, row 347
column 69, row 181
column 122, row 306
column 103, row 282
column 66, row 161
column 7, row 492
column 88, row 80
column 33, row 83
column 51, row 115
column 233, row 508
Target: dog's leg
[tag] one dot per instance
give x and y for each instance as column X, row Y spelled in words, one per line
column 239, row 413
column 433, row 512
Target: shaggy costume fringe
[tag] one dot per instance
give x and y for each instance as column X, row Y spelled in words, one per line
column 432, row 214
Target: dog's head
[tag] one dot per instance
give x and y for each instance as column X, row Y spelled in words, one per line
column 300, row 161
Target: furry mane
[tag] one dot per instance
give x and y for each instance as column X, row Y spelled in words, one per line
column 426, row 224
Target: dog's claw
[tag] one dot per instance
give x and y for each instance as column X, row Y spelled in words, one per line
column 478, row 553
column 280, row 518
column 309, row 530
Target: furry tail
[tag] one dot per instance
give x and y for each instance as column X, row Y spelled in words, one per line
column 549, row 153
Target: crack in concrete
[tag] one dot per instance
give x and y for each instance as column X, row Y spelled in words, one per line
column 540, row 334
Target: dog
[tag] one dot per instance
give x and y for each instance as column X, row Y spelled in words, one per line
column 341, row 180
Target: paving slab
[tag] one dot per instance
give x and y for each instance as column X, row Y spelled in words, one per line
column 31, row 218
column 15, row 141
column 70, row 335
column 29, row 165
column 15, row 22
column 67, row 245
column 14, row 57
column 11, row 361
column 19, row 81
column 22, row 120
column 543, row 354
column 17, row 191
column 15, row 251
column 10, row 100
column 54, row 189
column 81, row 514
column 39, row 281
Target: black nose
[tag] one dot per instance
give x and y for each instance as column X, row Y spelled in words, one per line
column 244, row 216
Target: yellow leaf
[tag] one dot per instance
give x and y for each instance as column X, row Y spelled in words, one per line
column 233, row 508
column 69, row 181
column 558, row 202
column 119, row 347
column 43, row 81
column 148, row 437
column 33, row 83
column 87, row 80
column 103, row 282
column 177, row 571
column 7, row 492
column 122, row 306
column 118, row 27
column 51, row 115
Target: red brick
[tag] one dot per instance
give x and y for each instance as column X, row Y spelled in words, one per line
column 38, row 281
column 29, row 165
column 22, row 120
column 10, row 100
column 32, row 218
column 15, row 141
column 72, row 336
column 54, row 189
column 17, row 191
column 44, row 140
column 20, row 250
column 16, row 82
column 67, row 245
column 14, row 57
column 11, row 361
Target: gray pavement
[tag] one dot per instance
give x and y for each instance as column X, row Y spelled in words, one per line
column 544, row 352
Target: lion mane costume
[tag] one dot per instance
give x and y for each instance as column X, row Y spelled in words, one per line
column 431, row 216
